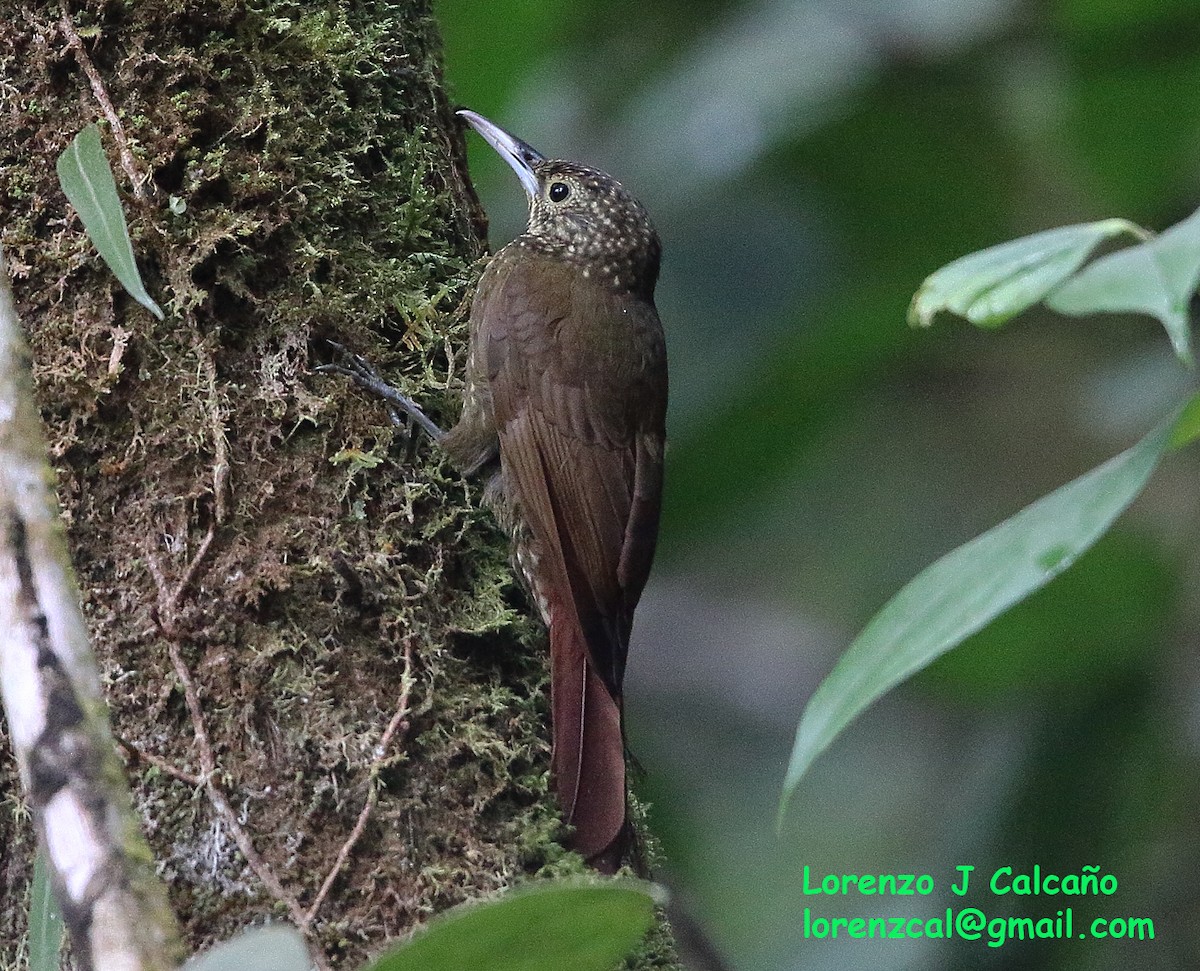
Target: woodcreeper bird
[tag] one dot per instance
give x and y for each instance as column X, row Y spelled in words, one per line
column 564, row 418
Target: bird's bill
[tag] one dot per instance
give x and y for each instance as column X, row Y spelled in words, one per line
column 515, row 152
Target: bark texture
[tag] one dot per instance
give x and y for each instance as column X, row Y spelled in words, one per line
column 323, row 678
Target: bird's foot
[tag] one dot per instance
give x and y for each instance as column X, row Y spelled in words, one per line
column 358, row 370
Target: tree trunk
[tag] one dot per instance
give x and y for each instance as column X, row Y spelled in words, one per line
column 325, row 683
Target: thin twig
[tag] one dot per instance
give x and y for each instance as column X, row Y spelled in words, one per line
column 159, row 763
column 168, row 603
column 208, row 768
column 170, row 596
column 398, row 723
column 220, row 442
column 128, row 163
column 193, row 568
column 360, row 827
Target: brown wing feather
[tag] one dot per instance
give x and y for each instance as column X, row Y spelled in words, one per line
column 578, row 390
column 577, row 381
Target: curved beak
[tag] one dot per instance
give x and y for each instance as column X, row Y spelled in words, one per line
column 515, row 152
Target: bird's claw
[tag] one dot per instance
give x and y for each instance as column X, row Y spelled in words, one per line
column 400, row 406
column 349, row 365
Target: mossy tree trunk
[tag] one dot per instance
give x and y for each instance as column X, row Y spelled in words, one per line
column 327, row 691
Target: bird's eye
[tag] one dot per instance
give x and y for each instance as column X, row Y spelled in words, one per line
column 559, row 191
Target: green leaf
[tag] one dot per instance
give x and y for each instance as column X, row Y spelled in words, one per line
column 995, row 284
column 970, row 586
column 545, row 927
column 86, row 178
column 45, row 921
column 1157, row 277
column 1187, row 427
column 1069, row 641
column 278, row 947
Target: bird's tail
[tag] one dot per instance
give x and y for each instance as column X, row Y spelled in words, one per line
column 588, row 759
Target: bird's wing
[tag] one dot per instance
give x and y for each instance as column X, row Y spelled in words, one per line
column 577, row 379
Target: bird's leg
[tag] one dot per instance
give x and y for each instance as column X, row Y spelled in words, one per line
column 357, row 369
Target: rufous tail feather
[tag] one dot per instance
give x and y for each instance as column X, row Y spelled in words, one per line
column 589, row 754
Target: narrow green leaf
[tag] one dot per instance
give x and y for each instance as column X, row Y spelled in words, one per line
column 88, row 182
column 1157, row 277
column 971, row 586
column 278, row 947
column 995, row 284
column 545, row 927
column 45, row 921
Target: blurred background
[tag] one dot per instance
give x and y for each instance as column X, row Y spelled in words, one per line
column 807, row 165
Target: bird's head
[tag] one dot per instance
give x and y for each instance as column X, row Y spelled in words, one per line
column 580, row 214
